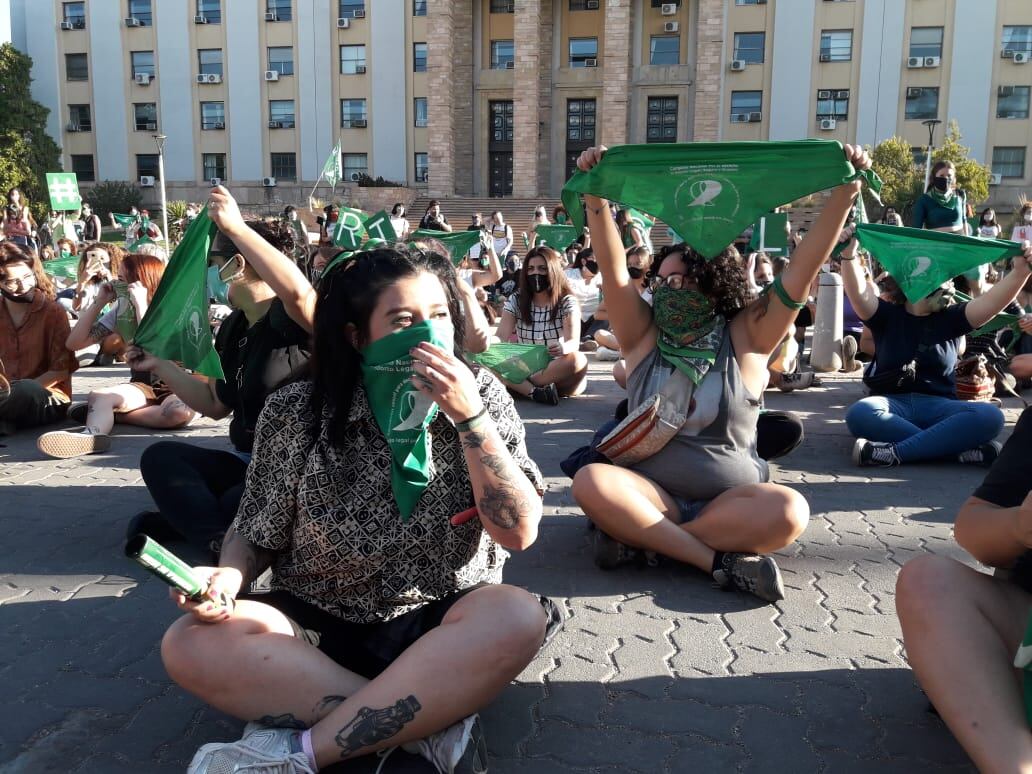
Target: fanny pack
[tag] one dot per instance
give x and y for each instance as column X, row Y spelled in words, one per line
column 891, row 382
column 652, row 425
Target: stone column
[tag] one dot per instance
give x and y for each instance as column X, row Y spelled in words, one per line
column 616, row 73
column 526, row 99
column 441, row 130
column 546, row 35
column 708, row 70
column 462, row 96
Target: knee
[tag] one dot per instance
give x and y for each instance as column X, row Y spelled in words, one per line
column 183, row 650
column 860, row 412
column 577, row 361
column 587, row 484
column 990, row 418
column 518, row 625
column 921, row 583
column 1021, row 367
column 789, row 509
column 177, row 415
column 155, row 456
column 100, row 396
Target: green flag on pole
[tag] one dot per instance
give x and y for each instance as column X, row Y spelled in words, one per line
column 921, row 260
column 124, row 220
column 63, row 188
column 769, row 235
column 458, row 242
column 557, row 236
column 514, row 362
column 709, row 192
column 176, row 324
column 333, row 169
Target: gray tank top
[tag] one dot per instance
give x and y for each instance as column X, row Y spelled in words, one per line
column 716, row 448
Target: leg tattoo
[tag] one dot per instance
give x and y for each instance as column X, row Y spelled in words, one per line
column 372, row 726
column 286, row 720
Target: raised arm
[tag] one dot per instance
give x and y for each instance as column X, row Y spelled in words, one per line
column 281, row 274
column 87, row 329
column 861, row 292
column 493, row 273
column 981, row 310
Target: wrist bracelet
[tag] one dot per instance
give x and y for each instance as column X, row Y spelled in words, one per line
column 474, row 422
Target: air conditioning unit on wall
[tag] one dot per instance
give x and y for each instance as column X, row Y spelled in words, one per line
column 827, row 124
column 269, row 182
column 146, row 181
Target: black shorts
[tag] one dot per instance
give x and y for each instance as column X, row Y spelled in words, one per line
column 368, row 649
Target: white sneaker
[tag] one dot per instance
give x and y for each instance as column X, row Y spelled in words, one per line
column 262, row 751
column 605, row 353
column 458, row 749
column 63, row 444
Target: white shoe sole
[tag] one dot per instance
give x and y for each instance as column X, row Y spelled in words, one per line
column 857, row 446
column 62, row 444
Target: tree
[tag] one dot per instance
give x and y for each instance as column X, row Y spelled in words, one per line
column 27, row 152
column 114, row 196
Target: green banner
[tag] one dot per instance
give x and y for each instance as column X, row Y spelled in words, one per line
column 769, row 235
column 402, row 412
column 458, row 242
column 125, row 315
column 176, row 324
column 349, row 231
column 709, row 192
column 557, row 236
column 63, row 188
column 513, row 362
column 379, row 227
column 125, row 220
column 63, row 268
column 921, row 260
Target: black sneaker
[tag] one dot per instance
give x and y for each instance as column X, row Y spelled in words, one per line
column 755, row 574
column 874, row 454
column 153, row 525
column 985, row 454
column 610, row 553
column 548, row 395
column 77, row 411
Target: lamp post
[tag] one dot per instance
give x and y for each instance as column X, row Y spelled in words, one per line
column 931, row 123
column 159, row 140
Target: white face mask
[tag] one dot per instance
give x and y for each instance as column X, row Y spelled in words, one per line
column 1028, row 217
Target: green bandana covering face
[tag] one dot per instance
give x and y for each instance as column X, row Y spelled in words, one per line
column 921, row 260
column 1023, row 660
column 689, row 332
column 709, row 192
column 402, row 412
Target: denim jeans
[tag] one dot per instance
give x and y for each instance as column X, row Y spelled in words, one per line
column 924, row 427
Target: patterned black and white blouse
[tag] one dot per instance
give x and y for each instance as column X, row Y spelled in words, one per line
column 541, row 328
column 330, row 513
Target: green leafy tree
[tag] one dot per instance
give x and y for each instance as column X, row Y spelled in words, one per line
column 113, row 196
column 27, row 152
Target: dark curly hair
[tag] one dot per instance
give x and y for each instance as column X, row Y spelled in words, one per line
column 721, row 278
column 348, row 294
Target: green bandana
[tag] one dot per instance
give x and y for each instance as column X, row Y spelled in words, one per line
column 66, row 267
column 557, row 236
column 514, row 362
column 921, row 260
column 689, row 332
column 458, row 242
column 403, row 413
column 125, row 316
column 709, row 192
column 769, row 235
column 949, row 201
column 124, row 220
column 176, row 326
column 1023, row 660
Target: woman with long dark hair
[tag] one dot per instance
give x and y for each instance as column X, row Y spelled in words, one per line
column 943, row 206
column 17, row 221
column 371, row 604
column 544, row 311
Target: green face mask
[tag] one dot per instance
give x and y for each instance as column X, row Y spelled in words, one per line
column 65, row 255
column 402, row 412
column 682, row 315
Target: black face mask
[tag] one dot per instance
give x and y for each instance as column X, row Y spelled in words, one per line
column 591, row 266
column 538, row 282
column 941, row 183
column 25, row 298
column 635, row 272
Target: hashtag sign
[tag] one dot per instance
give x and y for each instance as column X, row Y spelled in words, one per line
column 64, row 191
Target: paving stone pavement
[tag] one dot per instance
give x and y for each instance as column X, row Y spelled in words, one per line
column 655, row 671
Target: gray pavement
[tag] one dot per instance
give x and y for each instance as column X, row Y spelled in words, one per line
column 655, row 671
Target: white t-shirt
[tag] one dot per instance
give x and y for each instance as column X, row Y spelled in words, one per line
column 502, row 237
column 1022, row 233
column 400, row 226
column 586, row 291
column 989, row 232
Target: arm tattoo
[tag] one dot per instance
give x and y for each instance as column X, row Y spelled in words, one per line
column 502, row 502
column 97, row 333
column 474, row 439
column 372, row 726
column 286, row 720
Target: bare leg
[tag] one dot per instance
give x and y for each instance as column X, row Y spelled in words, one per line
column 962, row 629
column 1021, row 366
column 607, row 339
column 100, row 418
column 167, row 415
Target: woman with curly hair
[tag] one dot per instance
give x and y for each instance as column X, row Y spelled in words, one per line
column 704, row 497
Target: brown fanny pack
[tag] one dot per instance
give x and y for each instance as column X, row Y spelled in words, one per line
column 652, row 425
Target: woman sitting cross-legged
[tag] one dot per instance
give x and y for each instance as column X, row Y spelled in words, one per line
column 145, row 401
column 387, row 623
column 703, row 497
column 913, row 413
column 544, row 311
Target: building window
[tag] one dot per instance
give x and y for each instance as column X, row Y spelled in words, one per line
column 580, row 121
column 211, row 10
column 213, row 115
column 661, row 3
column 145, row 117
column 209, row 61
column 836, row 45
column 82, row 166
column 419, row 7
column 1009, row 162
column 352, row 110
column 76, row 67
column 502, row 6
column 422, row 167
column 283, row 166
column 75, row 14
column 583, row 52
column 351, row 59
column 355, row 165
column 1012, row 102
column 665, row 49
column 281, row 112
column 281, row 59
column 749, row 47
column 922, row 103
column 281, row 11
column 750, row 2
column 350, row 9
column 143, row 63
column 583, row 5
column 503, row 55
column 141, row 11
column 833, row 103
column 746, row 107
column 661, row 120
column 214, row 165
column 419, row 57
column 79, row 118
column 926, row 41
column 147, row 165
column 1017, row 40
column 419, row 111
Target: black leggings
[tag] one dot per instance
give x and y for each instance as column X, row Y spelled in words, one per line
column 197, row 490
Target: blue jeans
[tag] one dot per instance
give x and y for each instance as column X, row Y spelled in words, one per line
column 924, row 427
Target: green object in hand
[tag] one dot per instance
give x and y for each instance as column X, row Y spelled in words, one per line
column 125, row 316
column 514, row 362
